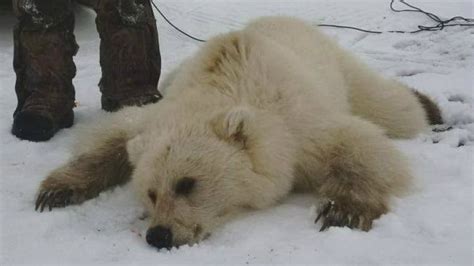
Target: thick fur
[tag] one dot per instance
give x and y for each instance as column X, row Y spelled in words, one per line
column 254, row 114
column 433, row 113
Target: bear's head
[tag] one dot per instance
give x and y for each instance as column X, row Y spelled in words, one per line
column 192, row 177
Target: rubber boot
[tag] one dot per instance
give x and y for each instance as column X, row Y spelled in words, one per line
column 129, row 53
column 44, row 45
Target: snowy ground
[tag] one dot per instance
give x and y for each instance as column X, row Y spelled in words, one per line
column 434, row 225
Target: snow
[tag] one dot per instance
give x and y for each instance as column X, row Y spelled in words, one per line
column 432, row 225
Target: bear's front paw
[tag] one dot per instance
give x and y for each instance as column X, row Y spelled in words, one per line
column 336, row 213
column 58, row 191
column 53, row 199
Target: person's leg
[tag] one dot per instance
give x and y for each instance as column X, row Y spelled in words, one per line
column 7, row 4
column 44, row 45
column 129, row 53
column 88, row 3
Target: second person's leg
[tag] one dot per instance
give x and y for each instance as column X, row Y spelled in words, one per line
column 129, row 53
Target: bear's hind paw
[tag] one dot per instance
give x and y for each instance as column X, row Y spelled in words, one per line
column 334, row 214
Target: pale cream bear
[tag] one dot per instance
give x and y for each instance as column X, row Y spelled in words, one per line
column 255, row 114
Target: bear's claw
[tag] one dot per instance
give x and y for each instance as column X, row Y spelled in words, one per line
column 51, row 199
column 335, row 215
column 324, row 211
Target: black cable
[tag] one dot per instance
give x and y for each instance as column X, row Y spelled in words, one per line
column 175, row 27
column 349, row 27
column 441, row 24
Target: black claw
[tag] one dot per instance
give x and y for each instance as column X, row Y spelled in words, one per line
column 42, row 206
column 56, row 201
column 333, row 216
column 328, row 222
column 51, row 201
column 45, row 201
column 52, row 198
column 324, row 212
column 319, row 217
column 39, row 199
column 324, row 226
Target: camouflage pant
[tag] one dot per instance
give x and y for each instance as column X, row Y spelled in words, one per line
column 45, row 44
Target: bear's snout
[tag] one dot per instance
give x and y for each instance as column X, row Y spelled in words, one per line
column 159, row 237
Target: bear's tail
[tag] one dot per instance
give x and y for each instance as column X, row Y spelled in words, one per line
column 432, row 110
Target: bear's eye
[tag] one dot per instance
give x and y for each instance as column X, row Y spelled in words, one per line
column 152, row 196
column 185, row 185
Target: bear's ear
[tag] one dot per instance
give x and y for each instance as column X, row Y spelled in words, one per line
column 135, row 148
column 234, row 125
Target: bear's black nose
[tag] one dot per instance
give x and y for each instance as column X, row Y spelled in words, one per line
column 159, row 237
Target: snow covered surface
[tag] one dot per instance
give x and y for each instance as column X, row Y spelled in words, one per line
column 433, row 225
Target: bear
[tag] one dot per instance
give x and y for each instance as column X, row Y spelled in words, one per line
column 255, row 114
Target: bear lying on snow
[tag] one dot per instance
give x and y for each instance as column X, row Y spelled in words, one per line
column 254, row 114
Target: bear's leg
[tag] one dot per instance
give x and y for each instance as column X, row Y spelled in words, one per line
column 387, row 103
column 100, row 160
column 358, row 171
column 86, row 175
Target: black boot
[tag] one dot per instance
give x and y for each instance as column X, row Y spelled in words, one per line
column 129, row 53
column 44, row 45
